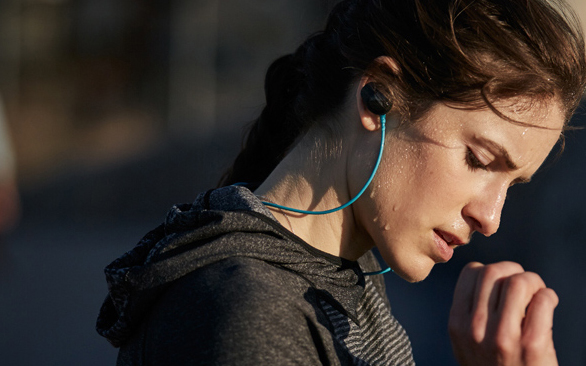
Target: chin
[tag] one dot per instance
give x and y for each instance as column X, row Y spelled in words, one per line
column 411, row 265
column 416, row 272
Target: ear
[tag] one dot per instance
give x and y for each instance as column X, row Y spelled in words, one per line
column 371, row 120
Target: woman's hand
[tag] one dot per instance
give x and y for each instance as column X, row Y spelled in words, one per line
column 502, row 315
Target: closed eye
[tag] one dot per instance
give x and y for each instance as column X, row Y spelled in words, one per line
column 473, row 162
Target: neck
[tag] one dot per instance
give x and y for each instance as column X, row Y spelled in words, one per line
column 313, row 177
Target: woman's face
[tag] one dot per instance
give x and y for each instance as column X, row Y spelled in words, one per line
column 446, row 176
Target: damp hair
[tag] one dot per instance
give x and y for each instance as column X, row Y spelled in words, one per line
column 465, row 53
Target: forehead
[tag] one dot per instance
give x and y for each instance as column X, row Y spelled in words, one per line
column 546, row 114
column 519, row 112
column 523, row 113
column 527, row 130
column 536, row 127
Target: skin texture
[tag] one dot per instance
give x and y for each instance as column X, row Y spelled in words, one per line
column 446, row 176
column 502, row 315
column 441, row 179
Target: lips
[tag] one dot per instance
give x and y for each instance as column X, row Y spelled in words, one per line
column 445, row 243
column 450, row 239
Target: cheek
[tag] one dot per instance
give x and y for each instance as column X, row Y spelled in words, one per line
column 444, row 181
column 394, row 203
column 420, row 190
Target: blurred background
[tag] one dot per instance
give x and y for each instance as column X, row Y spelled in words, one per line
column 113, row 110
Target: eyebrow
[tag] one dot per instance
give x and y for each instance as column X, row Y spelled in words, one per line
column 506, row 156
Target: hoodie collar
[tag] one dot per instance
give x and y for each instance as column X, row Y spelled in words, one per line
column 202, row 233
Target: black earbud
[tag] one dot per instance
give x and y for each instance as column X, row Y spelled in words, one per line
column 374, row 100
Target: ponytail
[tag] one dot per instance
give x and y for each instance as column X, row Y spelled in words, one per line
column 271, row 135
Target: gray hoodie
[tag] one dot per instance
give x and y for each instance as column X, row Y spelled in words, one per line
column 221, row 282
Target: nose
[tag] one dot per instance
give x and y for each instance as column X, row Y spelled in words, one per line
column 483, row 212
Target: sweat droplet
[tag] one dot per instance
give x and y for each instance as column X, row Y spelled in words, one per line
column 387, row 227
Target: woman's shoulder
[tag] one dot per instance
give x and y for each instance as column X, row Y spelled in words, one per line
column 238, row 292
column 244, row 280
column 242, row 304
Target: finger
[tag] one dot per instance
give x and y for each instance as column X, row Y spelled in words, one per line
column 505, row 326
column 516, row 295
column 460, row 313
column 491, row 277
column 538, row 323
column 465, row 289
column 487, row 296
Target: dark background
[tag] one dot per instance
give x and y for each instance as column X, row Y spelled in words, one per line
column 120, row 108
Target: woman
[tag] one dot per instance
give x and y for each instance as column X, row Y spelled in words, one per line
column 276, row 268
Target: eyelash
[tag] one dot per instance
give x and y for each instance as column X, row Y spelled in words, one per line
column 473, row 162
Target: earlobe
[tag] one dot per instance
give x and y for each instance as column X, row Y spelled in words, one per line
column 369, row 120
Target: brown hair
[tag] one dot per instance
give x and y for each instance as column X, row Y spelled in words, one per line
column 464, row 52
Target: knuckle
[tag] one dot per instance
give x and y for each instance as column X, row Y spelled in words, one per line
column 472, row 267
column 531, row 346
column 524, row 282
column 469, row 331
column 553, row 296
column 510, row 267
column 517, row 283
column 501, row 269
column 534, row 278
column 506, row 342
column 536, row 345
column 491, row 272
column 496, row 271
column 504, row 346
column 547, row 297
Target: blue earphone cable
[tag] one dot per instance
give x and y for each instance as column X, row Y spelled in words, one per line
column 382, row 271
column 376, row 165
column 378, row 160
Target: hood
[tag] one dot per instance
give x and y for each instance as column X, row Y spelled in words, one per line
column 205, row 232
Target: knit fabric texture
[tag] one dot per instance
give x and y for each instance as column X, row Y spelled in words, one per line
column 221, row 282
